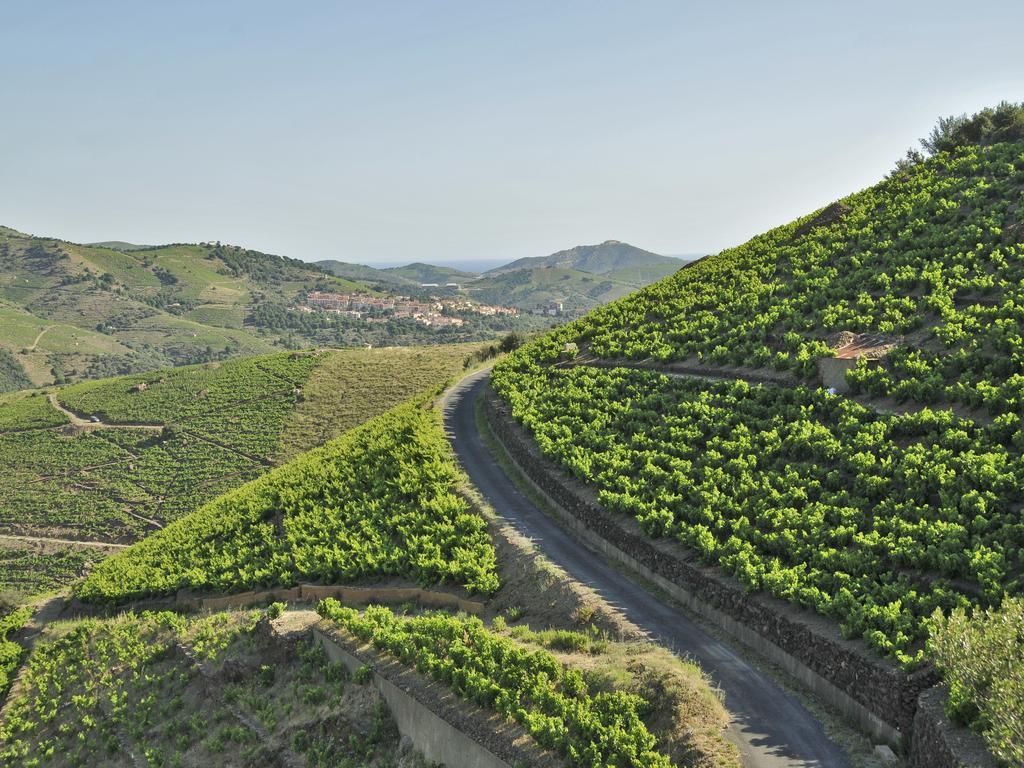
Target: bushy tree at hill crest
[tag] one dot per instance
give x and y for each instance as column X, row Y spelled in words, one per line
column 1003, row 122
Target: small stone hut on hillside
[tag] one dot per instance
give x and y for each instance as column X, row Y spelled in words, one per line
column 850, row 348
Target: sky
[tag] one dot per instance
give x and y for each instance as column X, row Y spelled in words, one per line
column 443, row 131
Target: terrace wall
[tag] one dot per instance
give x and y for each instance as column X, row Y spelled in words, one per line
column 444, row 728
column 938, row 743
column 312, row 593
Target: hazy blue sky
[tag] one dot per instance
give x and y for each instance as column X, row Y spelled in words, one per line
column 444, row 130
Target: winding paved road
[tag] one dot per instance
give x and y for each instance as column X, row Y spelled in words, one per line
column 770, row 726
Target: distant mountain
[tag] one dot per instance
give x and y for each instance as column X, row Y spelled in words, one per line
column 621, row 263
column 530, row 288
column 70, row 311
column 121, row 245
column 608, row 257
column 409, row 276
column 579, row 278
column 364, row 273
column 428, row 273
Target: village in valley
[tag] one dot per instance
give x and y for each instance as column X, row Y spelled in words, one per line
column 434, row 311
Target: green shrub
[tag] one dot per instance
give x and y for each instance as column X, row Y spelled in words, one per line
column 981, row 656
column 363, row 675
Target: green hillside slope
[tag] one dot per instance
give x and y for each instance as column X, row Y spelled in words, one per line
column 74, row 311
column 160, row 689
column 930, row 259
column 322, row 517
column 168, row 441
column 382, row 503
column 876, row 509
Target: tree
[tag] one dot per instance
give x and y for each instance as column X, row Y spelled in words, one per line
column 511, row 342
column 912, row 159
column 1004, row 122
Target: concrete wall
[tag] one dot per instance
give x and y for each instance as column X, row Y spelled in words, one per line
column 391, row 595
column 436, row 738
column 872, row 693
column 833, row 373
column 244, row 599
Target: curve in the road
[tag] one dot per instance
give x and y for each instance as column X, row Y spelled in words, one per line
column 771, row 727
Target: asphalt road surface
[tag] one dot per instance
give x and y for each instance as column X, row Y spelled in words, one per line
column 770, row 726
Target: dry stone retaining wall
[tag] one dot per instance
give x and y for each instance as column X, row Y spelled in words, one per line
column 937, row 743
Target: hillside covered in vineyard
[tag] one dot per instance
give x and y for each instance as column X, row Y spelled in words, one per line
column 87, row 469
column 831, row 414
column 149, row 520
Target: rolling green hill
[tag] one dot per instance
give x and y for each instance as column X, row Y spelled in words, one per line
column 877, row 509
column 604, row 258
column 530, row 288
column 165, row 442
column 121, row 245
column 419, row 272
column 366, row 274
column 580, row 278
column 73, row 311
column 410, row 276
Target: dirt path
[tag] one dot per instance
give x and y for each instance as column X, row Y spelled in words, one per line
column 94, row 422
column 45, row 611
column 79, row 470
column 4, row 537
column 275, row 375
column 143, row 518
column 35, row 342
column 886, row 407
column 254, row 459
